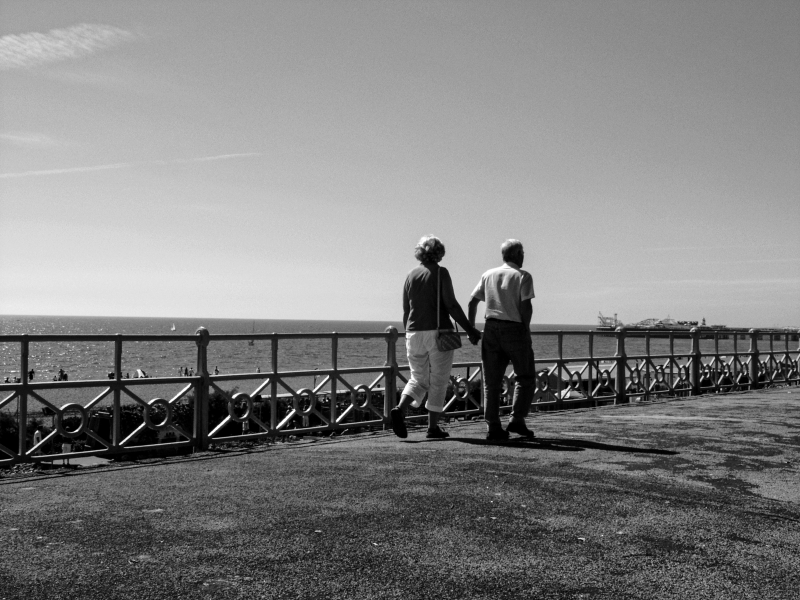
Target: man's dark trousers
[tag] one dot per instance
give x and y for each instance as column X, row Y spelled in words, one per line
column 504, row 342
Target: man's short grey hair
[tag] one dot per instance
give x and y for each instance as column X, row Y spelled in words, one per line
column 429, row 249
column 511, row 250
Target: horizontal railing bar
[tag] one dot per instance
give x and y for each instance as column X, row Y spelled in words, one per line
column 296, row 336
column 317, row 372
column 630, row 357
column 36, row 338
column 112, row 383
column 138, row 337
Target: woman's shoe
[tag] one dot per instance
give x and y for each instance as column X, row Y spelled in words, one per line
column 398, row 421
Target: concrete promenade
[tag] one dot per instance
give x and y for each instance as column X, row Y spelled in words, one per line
column 690, row 498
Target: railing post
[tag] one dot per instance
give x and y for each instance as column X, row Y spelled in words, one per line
column 273, row 384
column 201, row 391
column 786, row 367
column 648, row 362
column 116, row 418
column 335, row 376
column 390, row 389
column 754, row 359
column 22, row 403
column 589, row 389
column 559, row 380
column 622, row 360
column 696, row 358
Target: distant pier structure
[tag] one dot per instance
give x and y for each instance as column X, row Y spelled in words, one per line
column 670, row 327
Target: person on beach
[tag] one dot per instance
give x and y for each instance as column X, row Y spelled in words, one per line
column 507, row 291
column 430, row 367
column 37, row 439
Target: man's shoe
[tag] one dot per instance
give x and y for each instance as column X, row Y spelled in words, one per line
column 437, row 434
column 497, row 434
column 520, row 428
column 398, row 421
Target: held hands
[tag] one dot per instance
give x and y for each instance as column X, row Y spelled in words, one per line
column 474, row 336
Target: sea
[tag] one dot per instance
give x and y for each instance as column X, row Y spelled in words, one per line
column 83, row 360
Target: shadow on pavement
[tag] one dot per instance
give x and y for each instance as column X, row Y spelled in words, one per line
column 553, row 445
column 590, row 445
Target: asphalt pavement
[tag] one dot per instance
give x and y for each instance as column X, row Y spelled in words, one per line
column 690, row 498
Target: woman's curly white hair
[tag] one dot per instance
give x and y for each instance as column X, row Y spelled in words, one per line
column 429, row 249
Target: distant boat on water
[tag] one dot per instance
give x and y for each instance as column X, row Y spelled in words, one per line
column 172, row 328
column 252, row 342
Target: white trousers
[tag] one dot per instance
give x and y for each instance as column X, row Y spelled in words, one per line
column 430, row 369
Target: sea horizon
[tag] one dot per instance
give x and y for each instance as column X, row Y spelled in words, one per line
column 396, row 322
column 241, row 320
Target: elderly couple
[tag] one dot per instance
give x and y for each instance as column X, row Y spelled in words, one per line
column 428, row 303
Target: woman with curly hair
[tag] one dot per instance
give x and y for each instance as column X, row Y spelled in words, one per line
column 430, row 367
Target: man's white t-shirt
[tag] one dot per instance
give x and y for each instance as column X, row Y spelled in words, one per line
column 503, row 289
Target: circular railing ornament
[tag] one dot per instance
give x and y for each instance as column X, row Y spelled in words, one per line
column 244, row 398
column 312, row 401
column 148, row 416
column 506, row 389
column 543, row 381
column 575, row 381
column 361, row 388
column 461, row 388
column 59, row 424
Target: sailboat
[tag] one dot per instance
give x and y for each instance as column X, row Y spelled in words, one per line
column 252, row 342
column 172, row 328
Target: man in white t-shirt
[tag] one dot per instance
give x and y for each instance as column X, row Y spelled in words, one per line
column 507, row 291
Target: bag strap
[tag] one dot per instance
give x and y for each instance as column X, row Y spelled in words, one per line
column 439, row 298
column 438, row 294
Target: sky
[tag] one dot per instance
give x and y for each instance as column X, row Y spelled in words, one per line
column 280, row 160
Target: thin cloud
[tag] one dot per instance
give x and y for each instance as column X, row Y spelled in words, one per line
column 729, row 282
column 27, row 50
column 29, row 139
column 748, row 262
column 707, row 248
column 125, row 165
column 649, row 287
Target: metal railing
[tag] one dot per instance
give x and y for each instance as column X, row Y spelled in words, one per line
column 200, row 412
